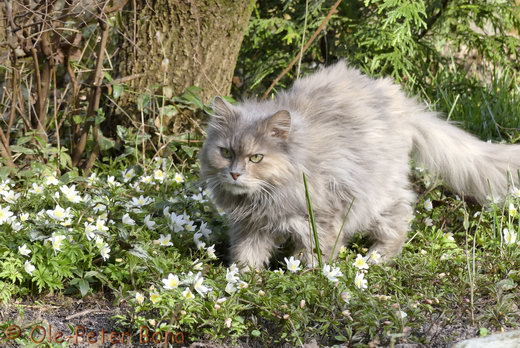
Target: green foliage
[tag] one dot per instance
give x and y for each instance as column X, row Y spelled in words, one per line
column 408, row 40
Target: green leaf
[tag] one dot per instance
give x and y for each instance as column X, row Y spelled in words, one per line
column 78, row 119
column 21, row 149
column 255, row 333
column 106, row 143
column 83, row 286
column 189, row 150
column 100, row 116
column 117, row 91
column 506, row 284
column 483, row 332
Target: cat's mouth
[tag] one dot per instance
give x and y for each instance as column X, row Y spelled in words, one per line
column 236, row 189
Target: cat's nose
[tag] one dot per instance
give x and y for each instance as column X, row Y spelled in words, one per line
column 234, row 175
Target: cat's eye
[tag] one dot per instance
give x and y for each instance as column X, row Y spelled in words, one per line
column 256, row 158
column 226, row 153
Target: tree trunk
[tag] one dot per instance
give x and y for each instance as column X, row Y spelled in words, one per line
column 183, row 43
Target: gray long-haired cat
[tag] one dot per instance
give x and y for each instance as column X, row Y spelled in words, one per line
column 352, row 136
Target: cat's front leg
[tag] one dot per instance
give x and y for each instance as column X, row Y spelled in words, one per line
column 327, row 233
column 251, row 247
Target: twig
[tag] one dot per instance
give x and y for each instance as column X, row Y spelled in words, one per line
column 116, row 7
column 4, row 151
column 95, row 96
column 84, row 313
column 124, row 79
column 302, row 51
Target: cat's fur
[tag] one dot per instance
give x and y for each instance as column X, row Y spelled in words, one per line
column 352, row 136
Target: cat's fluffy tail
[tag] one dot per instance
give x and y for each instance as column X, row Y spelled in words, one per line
column 470, row 166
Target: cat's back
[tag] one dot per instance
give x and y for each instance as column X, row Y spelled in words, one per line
column 340, row 93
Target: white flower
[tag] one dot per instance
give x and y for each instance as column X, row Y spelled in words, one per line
column 59, row 214
column 99, row 242
column 230, row 288
column 177, row 222
column 227, row 322
column 139, row 298
column 188, row 294
column 6, row 184
column 5, row 214
column 375, row 256
column 89, row 231
column 36, row 189
column 24, row 250
column 57, row 241
column 178, row 178
column 155, row 297
column 105, row 251
column 360, row 282
column 101, row 225
column 92, row 179
column 164, row 240
column 449, row 237
column 360, row 262
column 158, row 175
column 189, row 226
column 293, row 265
column 211, row 252
column 428, row 205
column 136, row 186
column 149, row 222
column 70, row 193
column 141, row 201
column 428, row 222
column 332, row 273
column 111, row 181
column 171, row 282
column 197, row 285
column 196, row 239
column 231, row 274
column 204, row 229
column 346, row 296
column 10, row 196
column 509, row 236
column 51, row 180
column 515, row 192
column 199, row 198
column 147, row 179
column 99, row 208
column 197, row 266
column 24, row 217
column 512, row 210
column 127, row 220
column 29, row 267
column 128, row 175
column 15, row 225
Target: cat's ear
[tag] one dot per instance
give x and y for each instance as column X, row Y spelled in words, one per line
column 279, row 125
column 222, row 108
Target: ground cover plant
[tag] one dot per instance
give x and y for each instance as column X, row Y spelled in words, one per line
column 123, row 220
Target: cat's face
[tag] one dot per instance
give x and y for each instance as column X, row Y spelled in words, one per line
column 243, row 154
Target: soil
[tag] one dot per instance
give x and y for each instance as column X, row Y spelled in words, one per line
column 94, row 314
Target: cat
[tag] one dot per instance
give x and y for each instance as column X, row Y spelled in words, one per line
column 352, row 136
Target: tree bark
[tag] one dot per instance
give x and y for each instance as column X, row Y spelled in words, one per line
column 183, row 43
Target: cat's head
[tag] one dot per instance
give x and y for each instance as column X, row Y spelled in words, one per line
column 247, row 149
